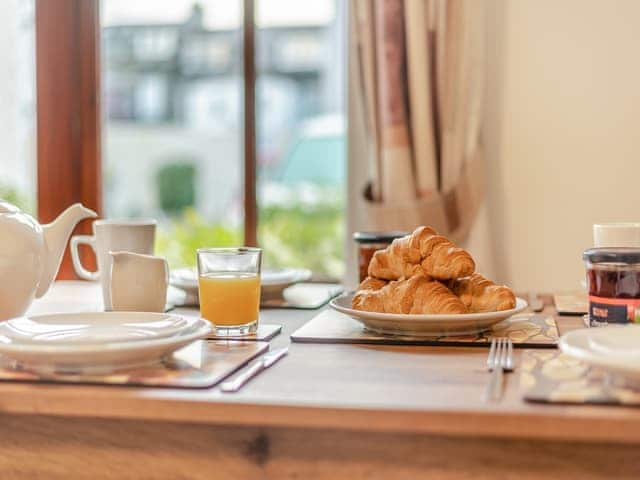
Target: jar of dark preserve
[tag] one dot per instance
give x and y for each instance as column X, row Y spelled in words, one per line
column 369, row 243
column 613, row 282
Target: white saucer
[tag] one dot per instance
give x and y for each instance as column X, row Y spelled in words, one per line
column 96, row 342
column 425, row 325
column 272, row 281
column 612, row 348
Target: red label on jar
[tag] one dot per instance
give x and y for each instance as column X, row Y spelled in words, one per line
column 614, row 310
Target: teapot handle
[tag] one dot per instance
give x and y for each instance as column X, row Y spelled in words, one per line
column 82, row 272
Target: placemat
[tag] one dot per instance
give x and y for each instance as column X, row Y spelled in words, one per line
column 552, row 377
column 265, row 332
column 199, row 365
column 572, row 303
column 526, row 330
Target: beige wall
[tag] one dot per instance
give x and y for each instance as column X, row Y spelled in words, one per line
column 562, row 136
column 563, row 133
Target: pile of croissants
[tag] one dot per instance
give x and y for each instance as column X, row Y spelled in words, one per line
column 425, row 273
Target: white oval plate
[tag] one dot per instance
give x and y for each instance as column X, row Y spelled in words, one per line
column 428, row 325
column 95, row 353
column 609, row 348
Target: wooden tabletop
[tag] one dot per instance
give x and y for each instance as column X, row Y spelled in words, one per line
column 352, row 387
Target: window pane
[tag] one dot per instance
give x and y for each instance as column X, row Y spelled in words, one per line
column 172, row 90
column 301, row 133
column 17, row 97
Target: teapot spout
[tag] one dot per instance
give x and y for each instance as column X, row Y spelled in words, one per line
column 56, row 235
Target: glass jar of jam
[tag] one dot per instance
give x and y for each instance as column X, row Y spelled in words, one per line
column 613, row 283
column 369, row 243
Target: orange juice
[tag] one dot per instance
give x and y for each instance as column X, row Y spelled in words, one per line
column 229, row 299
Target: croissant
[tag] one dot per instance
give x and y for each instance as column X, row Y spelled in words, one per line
column 416, row 295
column 364, row 295
column 422, row 252
column 371, row 283
column 479, row 294
column 401, row 259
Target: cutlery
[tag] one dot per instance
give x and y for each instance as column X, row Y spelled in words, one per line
column 265, row 362
column 500, row 360
column 536, row 304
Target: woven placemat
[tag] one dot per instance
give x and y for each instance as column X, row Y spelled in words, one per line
column 553, row 377
column 202, row 364
column 526, row 330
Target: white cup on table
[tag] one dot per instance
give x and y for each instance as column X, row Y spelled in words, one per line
column 607, row 235
column 136, row 235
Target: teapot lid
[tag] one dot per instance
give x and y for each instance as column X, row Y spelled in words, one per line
column 6, row 207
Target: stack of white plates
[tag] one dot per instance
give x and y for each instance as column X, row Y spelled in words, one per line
column 615, row 349
column 92, row 343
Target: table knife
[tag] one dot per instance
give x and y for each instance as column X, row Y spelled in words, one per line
column 265, row 362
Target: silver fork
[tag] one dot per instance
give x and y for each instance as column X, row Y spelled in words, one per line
column 500, row 360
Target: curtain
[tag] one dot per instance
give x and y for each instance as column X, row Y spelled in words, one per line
column 420, row 72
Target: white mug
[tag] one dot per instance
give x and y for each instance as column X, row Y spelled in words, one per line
column 616, row 235
column 136, row 236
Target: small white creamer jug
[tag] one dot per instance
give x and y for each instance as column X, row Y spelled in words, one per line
column 138, row 282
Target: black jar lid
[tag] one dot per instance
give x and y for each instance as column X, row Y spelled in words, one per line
column 378, row 237
column 612, row 255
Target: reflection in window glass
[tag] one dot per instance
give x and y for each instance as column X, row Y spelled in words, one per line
column 17, row 97
column 301, row 133
column 172, row 99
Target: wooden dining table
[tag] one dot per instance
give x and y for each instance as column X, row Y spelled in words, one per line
column 324, row 411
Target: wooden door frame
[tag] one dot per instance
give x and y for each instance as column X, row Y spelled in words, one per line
column 69, row 127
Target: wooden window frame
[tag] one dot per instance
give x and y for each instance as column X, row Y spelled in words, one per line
column 249, row 122
column 68, row 112
column 69, row 128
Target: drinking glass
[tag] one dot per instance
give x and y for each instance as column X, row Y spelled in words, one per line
column 607, row 235
column 229, row 288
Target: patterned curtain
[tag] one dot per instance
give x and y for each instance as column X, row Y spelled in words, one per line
column 420, row 72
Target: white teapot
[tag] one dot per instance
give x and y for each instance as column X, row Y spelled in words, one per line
column 30, row 254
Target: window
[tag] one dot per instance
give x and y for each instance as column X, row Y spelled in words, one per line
column 300, row 50
column 177, row 143
column 172, row 83
column 17, row 97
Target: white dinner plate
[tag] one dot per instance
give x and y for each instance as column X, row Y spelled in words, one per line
column 96, row 342
column 272, row 281
column 617, row 341
column 613, row 348
column 428, row 325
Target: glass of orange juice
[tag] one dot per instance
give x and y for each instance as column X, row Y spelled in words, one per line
column 229, row 288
